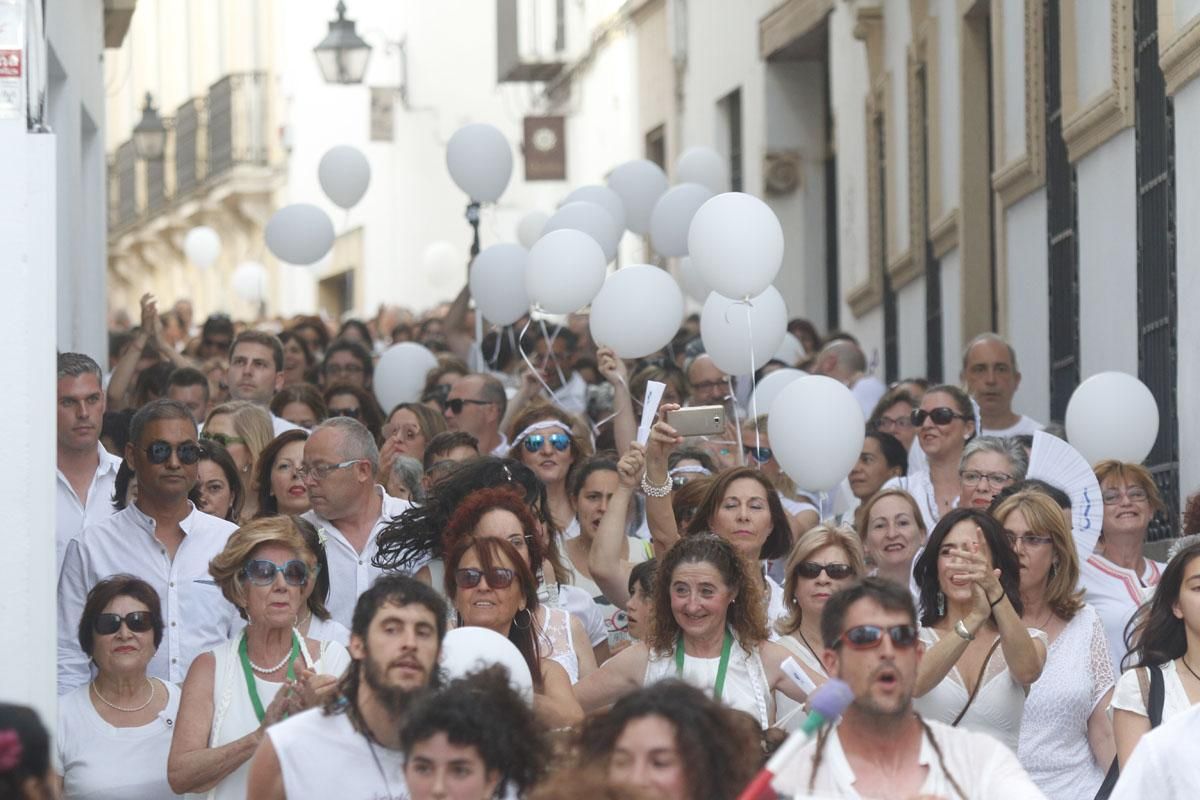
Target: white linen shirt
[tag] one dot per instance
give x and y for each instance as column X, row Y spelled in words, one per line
column 351, row 572
column 73, row 515
column 196, row 616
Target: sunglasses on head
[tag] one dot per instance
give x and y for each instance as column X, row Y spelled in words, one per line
column 559, row 441
column 159, row 452
column 836, row 572
column 261, row 572
column 136, row 621
column 940, row 416
column 760, row 454
column 866, row 637
column 497, row 577
column 456, row 405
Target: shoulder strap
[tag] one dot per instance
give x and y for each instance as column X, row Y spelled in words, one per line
column 1158, row 695
column 978, row 683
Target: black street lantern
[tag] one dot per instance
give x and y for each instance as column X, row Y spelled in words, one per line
column 150, row 135
column 342, row 55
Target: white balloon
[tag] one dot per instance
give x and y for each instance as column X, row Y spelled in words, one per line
column 1112, row 415
column 300, row 234
column 639, row 184
column 480, row 161
column 736, row 242
column 498, row 283
column 202, row 246
column 692, row 281
column 529, row 229
column 400, row 374
column 344, row 174
column 468, row 649
column 817, row 430
column 672, row 216
column 705, row 166
column 565, row 271
column 769, row 388
column 726, row 326
column 601, row 196
column 443, row 265
column 637, row 312
column 250, row 281
column 592, row 219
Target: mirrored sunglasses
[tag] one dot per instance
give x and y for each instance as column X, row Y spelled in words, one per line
column 866, row 637
column 159, row 452
column 760, row 454
column 534, row 441
column 261, row 572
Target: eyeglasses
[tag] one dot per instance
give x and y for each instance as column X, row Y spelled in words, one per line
column 1027, row 539
column 866, row 637
column 836, row 572
column 456, row 405
column 136, row 621
column 760, row 455
column 1135, row 494
column 159, row 452
column 704, row 386
column 519, row 540
column 261, row 572
column 321, row 471
column 352, row 413
column 940, row 416
column 222, row 439
column 408, row 434
column 534, row 441
column 972, row 477
column 497, row 577
column 887, row 424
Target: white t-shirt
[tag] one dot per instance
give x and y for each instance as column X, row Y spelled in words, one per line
column 1164, row 764
column 322, row 757
column 102, row 762
column 1116, row 593
column 1128, row 694
column 1025, row 426
column 74, row 515
column 982, row 766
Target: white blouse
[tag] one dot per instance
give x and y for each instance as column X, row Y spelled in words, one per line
column 1128, row 694
column 745, row 688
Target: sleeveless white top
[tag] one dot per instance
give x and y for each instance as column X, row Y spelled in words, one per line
column 233, row 713
column 556, row 642
column 784, row 705
column 746, row 687
column 322, row 756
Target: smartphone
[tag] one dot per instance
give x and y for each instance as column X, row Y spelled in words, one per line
column 697, row 420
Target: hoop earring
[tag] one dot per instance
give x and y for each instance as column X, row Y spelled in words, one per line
column 528, row 620
column 941, row 603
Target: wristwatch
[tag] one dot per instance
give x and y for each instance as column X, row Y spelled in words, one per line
column 960, row 628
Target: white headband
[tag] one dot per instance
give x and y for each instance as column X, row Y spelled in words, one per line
column 695, row 468
column 545, row 424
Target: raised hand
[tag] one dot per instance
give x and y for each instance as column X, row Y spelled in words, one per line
column 631, row 466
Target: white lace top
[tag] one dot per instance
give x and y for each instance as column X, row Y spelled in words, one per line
column 1053, row 745
column 1128, row 694
column 556, row 642
column 998, row 704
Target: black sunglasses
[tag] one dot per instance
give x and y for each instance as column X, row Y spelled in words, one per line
column 352, row 413
column 836, row 572
column 136, row 621
column 940, row 416
column 497, row 577
column 261, row 572
column 866, row 637
column 534, row 441
column 159, row 452
column 456, row 405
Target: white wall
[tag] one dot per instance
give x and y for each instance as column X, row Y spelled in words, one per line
column 897, row 22
column 1093, row 56
column 952, row 340
column 910, row 308
column 1187, row 256
column 949, row 97
column 848, row 86
column 1012, row 62
column 1028, row 322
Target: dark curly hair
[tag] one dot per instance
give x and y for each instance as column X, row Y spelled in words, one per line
column 720, row 754
column 778, row 541
column 483, row 711
column 1155, row 635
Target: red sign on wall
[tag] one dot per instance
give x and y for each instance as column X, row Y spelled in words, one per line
column 10, row 63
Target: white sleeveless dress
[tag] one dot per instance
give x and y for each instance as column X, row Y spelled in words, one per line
column 746, row 687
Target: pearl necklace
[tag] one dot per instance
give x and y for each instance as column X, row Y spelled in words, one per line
column 277, row 667
column 121, row 708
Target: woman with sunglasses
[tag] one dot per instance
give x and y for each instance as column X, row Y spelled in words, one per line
column 543, row 439
column 980, row 658
column 266, row 672
column 218, row 489
column 989, row 464
column 346, row 400
column 114, row 733
column 300, row 404
column 407, row 432
column 490, row 586
column 1066, row 739
column 945, row 422
column 244, row 430
column 883, row 457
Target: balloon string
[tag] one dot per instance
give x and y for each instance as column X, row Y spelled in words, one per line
column 737, row 423
column 753, row 380
column 532, row 369
column 562, row 379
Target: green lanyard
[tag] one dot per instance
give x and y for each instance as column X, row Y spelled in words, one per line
column 726, row 648
column 251, row 686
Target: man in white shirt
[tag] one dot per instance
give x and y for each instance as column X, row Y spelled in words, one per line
column 1164, row 764
column 256, row 373
column 341, row 461
column 881, row 748
column 351, row 747
column 86, row 471
column 843, row 360
column 990, row 373
column 160, row 538
column 476, row 404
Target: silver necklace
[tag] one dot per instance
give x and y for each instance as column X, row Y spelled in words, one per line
column 96, row 689
column 269, row 670
column 379, row 766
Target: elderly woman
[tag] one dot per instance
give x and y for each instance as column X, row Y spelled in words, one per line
column 300, row 404
column 218, row 489
column 1116, row 578
column 980, row 659
column 542, row 438
column 491, row 587
column 883, row 457
column 407, row 432
column 405, row 480
column 245, row 430
column 892, row 532
column 280, row 489
column 232, row 694
column 114, row 733
column 1066, row 739
column 988, row 466
column 893, row 416
column 708, row 629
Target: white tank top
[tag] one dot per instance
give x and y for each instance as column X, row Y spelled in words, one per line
column 556, row 642
column 322, row 756
column 745, row 679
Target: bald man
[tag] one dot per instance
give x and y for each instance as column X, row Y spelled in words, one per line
column 844, row 361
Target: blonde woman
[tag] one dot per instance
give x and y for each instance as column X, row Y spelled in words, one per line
column 245, row 430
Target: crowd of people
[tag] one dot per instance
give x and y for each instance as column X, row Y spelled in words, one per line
column 259, row 566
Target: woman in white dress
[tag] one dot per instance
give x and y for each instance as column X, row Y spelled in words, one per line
column 709, row 630
column 114, row 733
column 980, row 659
column 1066, row 742
column 268, row 671
column 1165, row 636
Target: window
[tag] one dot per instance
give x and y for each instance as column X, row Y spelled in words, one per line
column 731, row 109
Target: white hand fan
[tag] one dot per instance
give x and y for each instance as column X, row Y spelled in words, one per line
column 1054, row 461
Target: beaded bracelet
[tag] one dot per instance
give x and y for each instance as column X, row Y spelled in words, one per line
column 656, row 491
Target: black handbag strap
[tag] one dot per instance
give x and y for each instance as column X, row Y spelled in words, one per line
column 1154, row 699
